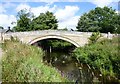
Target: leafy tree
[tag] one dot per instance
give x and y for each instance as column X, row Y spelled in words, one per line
column 24, row 21
column 100, row 19
column 118, row 28
column 44, row 21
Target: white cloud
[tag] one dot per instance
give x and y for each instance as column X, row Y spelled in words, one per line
column 70, row 23
column 67, row 12
column 6, row 20
column 36, row 10
column 22, row 6
column 102, row 3
column 67, row 17
column 42, row 9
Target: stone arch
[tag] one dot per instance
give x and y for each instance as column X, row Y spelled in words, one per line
column 54, row 36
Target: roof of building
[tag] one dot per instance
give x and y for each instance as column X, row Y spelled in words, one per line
column 5, row 30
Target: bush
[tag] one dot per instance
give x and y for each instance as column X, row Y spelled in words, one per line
column 102, row 56
column 94, row 37
column 23, row 63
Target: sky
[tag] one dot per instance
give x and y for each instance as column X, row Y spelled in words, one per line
column 67, row 12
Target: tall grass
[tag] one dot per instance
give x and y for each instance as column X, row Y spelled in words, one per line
column 23, row 63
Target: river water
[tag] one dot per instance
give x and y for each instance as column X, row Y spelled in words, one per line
column 76, row 72
column 70, row 68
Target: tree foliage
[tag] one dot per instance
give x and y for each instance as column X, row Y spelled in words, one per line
column 44, row 21
column 27, row 22
column 55, row 44
column 24, row 21
column 100, row 19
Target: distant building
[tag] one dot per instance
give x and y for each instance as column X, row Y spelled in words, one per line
column 5, row 30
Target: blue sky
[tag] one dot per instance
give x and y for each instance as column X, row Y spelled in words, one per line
column 67, row 13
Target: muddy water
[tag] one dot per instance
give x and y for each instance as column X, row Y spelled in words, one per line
column 70, row 68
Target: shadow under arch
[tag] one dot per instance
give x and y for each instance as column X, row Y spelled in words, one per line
column 54, row 36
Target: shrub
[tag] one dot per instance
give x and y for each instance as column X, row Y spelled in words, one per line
column 94, row 37
column 23, row 63
column 102, row 56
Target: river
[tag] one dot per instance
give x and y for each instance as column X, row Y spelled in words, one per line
column 69, row 67
column 64, row 61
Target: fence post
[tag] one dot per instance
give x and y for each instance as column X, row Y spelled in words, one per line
column 109, row 35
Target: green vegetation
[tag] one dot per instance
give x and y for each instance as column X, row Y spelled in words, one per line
column 102, row 56
column 44, row 21
column 24, row 20
column 23, row 63
column 0, row 45
column 28, row 22
column 55, row 43
column 94, row 37
column 100, row 19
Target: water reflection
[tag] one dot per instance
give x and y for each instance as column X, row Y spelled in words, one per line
column 69, row 67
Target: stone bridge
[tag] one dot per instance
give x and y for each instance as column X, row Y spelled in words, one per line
column 76, row 38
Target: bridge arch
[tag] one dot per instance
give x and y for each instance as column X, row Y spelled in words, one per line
column 56, row 37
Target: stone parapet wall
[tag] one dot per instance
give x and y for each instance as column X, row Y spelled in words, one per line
column 77, row 38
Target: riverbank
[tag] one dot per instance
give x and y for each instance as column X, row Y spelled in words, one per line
column 102, row 56
column 1, row 52
column 23, row 63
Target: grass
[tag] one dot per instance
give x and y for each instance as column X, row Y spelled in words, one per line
column 23, row 63
column 0, row 45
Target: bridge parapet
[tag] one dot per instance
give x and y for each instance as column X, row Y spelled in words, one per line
column 77, row 38
column 48, row 32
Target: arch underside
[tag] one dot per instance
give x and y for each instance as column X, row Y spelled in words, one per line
column 56, row 37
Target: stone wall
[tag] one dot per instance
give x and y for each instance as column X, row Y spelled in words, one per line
column 77, row 38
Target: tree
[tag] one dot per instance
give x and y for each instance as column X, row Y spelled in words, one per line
column 24, row 21
column 44, row 21
column 100, row 19
column 118, row 26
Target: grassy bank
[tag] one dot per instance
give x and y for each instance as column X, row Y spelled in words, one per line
column 102, row 56
column 23, row 63
column 0, row 45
